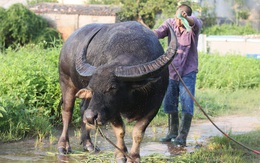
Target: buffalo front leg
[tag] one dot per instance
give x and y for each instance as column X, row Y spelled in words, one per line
column 86, row 129
column 137, row 136
column 119, row 130
column 86, row 140
column 68, row 97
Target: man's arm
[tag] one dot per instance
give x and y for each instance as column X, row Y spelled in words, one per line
column 188, row 18
column 155, row 33
column 162, row 30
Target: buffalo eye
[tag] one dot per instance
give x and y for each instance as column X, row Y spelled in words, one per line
column 112, row 87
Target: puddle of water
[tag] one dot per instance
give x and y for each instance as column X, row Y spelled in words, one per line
column 25, row 151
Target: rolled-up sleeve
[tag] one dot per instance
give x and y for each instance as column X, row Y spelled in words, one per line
column 162, row 30
column 197, row 25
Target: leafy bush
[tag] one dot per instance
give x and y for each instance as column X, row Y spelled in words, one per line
column 32, row 2
column 20, row 26
column 208, row 16
column 2, row 16
column 229, row 29
column 48, row 37
column 29, row 91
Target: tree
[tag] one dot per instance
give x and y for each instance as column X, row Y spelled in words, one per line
column 145, row 11
column 208, row 16
column 240, row 10
column 20, row 26
column 2, row 34
column 31, row 2
column 105, row 2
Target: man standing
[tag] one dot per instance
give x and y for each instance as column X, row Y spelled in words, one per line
column 187, row 29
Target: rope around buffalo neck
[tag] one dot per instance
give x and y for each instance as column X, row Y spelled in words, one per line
column 225, row 134
column 183, row 20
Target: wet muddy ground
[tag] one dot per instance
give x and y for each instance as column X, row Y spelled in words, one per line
column 200, row 132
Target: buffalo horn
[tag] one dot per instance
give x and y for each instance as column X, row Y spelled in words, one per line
column 82, row 67
column 149, row 69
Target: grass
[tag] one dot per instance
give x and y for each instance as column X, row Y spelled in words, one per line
column 219, row 149
column 217, row 102
column 230, row 72
column 226, row 102
column 29, row 95
column 30, row 89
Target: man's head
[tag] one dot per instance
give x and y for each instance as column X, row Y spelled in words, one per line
column 185, row 11
column 185, row 8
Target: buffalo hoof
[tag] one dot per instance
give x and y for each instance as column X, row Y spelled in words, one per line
column 91, row 148
column 121, row 160
column 133, row 161
column 63, row 150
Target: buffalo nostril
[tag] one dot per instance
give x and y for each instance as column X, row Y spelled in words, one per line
column 90, row 116
column 90, row 119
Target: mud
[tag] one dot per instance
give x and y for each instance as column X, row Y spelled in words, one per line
column 33, row 151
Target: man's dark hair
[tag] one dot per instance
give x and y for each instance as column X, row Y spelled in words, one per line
column 186, row 8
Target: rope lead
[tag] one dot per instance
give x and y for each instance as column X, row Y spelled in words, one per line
column 254, row 151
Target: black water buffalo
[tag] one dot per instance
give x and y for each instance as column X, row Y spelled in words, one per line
column 119, row 70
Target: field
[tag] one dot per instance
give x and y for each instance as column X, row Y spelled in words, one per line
column 30, row 93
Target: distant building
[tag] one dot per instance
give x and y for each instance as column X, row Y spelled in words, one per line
column 79, row 2
column 66, row 18
column 8, row 3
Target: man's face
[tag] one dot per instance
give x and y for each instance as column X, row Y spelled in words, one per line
column 183, row 13
column 178, row 22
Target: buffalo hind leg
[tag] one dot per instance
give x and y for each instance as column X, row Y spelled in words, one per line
column 68, row 97
column 119, row 130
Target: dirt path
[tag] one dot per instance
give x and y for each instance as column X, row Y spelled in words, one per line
column 201, row 130
column 25, row 151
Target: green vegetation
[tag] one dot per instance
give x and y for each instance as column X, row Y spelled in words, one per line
column 20, row 26
column 32, row 2
column 30, row 93
column 219, row 149
column 228, row 72
column 145, row 11
column 219, row 102
column 230, row 29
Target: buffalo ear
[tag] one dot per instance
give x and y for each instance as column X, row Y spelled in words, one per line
column 84, row 94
